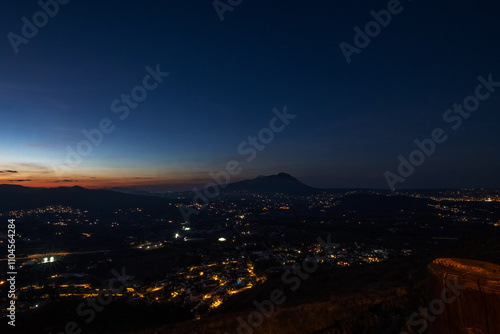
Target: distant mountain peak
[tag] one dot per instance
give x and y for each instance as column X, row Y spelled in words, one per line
column 276, row 183
column 284, row 175
column 279, row 175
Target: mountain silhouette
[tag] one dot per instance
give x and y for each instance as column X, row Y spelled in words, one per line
column 14, row 197
column 279, row 183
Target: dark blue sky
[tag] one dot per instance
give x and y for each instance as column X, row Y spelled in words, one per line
column 353, row 120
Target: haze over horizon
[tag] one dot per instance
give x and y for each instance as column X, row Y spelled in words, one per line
column 225, row 79
column 190, row 187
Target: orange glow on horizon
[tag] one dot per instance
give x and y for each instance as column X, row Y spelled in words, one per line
column 111, row 178
column 104, row 182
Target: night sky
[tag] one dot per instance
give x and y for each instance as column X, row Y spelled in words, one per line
column 353, row 120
